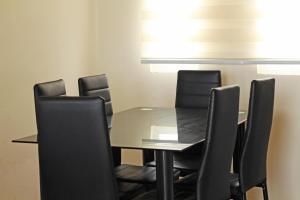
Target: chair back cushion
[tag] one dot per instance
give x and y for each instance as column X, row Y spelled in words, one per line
column 96, row 86
column 259, row 122
column 74, row 149
column 213, row 181
column 194, row 87
column 49, row 89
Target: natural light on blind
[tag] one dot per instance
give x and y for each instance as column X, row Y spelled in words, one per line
column 280, row 34
column 278, row 28
column 181, row 30
column 168, row 28
column 193, row 29
column 220, row 29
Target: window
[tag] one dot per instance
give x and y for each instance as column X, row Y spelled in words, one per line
column 212, row 31
column 193, row 29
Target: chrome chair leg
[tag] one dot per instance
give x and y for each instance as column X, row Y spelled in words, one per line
column 244, row 196
column 265, row 190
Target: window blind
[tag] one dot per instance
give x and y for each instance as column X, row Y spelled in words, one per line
column 220, row 29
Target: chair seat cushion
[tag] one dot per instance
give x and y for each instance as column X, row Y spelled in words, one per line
column 189, row 183
column 187, row 161
column 183, row 162
column 178, row 195
column 138, row 174
column 129, row 190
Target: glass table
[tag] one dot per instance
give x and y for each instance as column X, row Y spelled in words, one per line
column 164, row 130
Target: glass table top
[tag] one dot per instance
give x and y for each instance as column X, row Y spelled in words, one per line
column 174, row 129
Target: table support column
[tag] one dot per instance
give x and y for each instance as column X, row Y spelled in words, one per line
column 164, row 175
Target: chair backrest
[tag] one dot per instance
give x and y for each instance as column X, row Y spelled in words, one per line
column 96, row 86
column 193, row 88
column 49, row 89
column 213, row 179
column 259, row 123
column 74, row 149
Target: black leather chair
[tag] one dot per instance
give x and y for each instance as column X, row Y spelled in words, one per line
column 74, row 151
column 252, row 166
column 213, row 181
column 98, row 86
column 193, row 91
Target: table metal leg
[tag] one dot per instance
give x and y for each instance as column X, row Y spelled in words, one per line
column 238, row 147
column 164, row 175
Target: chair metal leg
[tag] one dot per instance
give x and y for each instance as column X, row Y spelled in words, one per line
column 265, row 190
column 244, row 196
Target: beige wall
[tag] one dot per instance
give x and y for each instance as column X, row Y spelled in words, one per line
column 40, row 40
column 46, row 40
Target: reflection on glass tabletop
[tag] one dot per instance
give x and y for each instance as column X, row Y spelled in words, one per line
column 174, row 129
